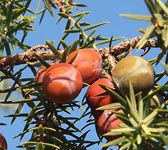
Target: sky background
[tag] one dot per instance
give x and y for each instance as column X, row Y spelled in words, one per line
column 106, row 10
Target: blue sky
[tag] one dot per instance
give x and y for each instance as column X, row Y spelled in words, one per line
column 106, row 10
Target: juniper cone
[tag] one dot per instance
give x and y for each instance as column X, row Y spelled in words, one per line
column 136, row 70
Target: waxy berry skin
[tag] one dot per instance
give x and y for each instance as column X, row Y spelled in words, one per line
column 62, row 83
column 41, row 72
column 3, row 142
column 136, row 70
column 96, row 96
column 40, row 75
column 108, row 121
column 88, row 62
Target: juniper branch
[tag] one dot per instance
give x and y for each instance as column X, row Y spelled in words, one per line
column 46, row 54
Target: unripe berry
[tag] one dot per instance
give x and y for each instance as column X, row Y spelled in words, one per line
column 62, row 83
column 96, row 96
column 136, row 70
column 88, row 62
column 3, row 143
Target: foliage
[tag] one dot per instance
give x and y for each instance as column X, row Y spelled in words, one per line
column 53, row 126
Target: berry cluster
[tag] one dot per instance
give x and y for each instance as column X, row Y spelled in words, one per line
column 62, row 82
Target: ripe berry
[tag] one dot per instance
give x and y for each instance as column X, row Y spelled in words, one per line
column 135, row 69
column 108, row 121
column 96, row 96
column 41, row 72
column 88, row 62
column 62, row 83
column 3, row 143
column 40, row 75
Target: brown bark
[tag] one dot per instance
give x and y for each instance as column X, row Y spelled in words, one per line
column 30, row 55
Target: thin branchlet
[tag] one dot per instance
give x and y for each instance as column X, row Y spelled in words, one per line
column 128, row 45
